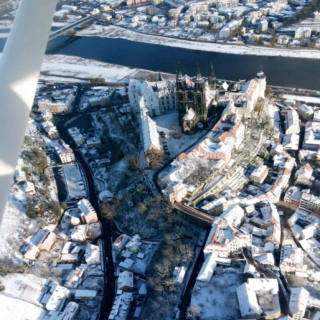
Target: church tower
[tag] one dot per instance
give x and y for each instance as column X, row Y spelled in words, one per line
column 199, row 97
column 212, row 79
column 181, row 95
column 262, row 82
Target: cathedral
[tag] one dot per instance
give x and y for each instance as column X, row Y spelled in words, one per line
column 194, row 97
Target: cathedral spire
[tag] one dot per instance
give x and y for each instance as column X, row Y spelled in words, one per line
column 179, row 72
column 212, row 78
column 211, row 71
column 199, row 76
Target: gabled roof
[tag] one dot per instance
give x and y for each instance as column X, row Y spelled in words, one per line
column 150, row 133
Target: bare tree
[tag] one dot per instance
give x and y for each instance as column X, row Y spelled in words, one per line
column 107, row 211
column 142, row 207
column 192, row 312
column 155, row 158
column 134, row 161
column 176, row 132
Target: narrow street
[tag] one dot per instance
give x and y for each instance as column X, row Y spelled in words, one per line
column 109, row 290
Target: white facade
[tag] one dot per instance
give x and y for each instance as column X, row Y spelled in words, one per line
column 234, row 215
column 283, row 39
column 298, row 302
column 50, row 129
column 64, row 151
column 312, row 136
column 259, row 174
column 56, row 106
column 291, row 259
column 291, row 121
column 46, row 115
column 76, row 136
column 302, row 33
column 223, row 240
column 154, row 96
column 250, row 297
column 224, row 32
column 262, row 84
column 150, row 135
column 88, row 214
column 305, row 111
column 263, row 25
column 226, row 4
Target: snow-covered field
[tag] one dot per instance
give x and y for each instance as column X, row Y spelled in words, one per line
column 175, row 146
column 302, row 98
column 117, row 32
column 70, row 68
column 15, row 224
column 218, row 299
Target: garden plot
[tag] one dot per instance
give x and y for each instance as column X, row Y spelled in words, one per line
column 217, row 300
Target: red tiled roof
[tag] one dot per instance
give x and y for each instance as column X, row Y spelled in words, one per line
column 182, row 157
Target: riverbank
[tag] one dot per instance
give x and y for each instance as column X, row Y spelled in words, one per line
column 75, row 69
column 117, row 32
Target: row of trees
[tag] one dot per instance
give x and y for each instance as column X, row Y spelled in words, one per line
column 35, row 208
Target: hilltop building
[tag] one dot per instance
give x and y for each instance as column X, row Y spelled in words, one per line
column 194, row 98
column 156, row 96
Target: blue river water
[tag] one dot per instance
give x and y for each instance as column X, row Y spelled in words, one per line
column 291, row 72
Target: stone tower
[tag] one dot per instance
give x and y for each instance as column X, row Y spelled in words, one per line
column 191, row 101
column 199, row 97
column 262, row 82
column 212, row 79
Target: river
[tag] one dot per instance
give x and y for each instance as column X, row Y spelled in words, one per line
column 290, row 72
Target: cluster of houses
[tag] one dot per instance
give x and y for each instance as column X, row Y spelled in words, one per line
column 132, row 255
column 290, row 115
column 55, row 101
column 216, row 19
column 75, row 259
column 256, row 231
column 21, row 178
column 97, row 96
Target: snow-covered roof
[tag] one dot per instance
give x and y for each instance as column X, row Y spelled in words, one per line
column 179, row 273
column 247, row 301
column 233, row 215
column 247, row 296
column 190, row 115
column 69, row 311
column 150, row 134
column 207, row 268
column 291, row 141
column 298, row 300
column 85, row 207
column 125, row 279
column 92, row 254
column 58, row 296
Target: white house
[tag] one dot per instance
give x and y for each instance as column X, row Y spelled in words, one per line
column 291, row 121
column 298, row 302
column 63, row 150
column 76, row 136
column 150, row 135
column 154, row 96
column 259, row 296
